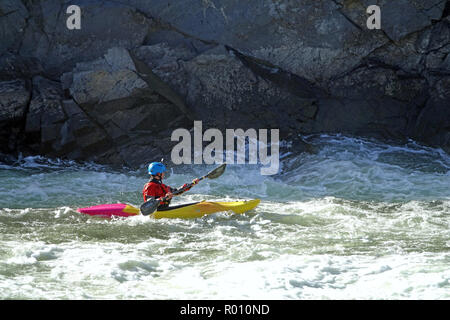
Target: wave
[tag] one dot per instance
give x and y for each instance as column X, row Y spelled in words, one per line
column 343, row 167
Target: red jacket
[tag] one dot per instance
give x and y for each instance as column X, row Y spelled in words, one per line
column 156, row 189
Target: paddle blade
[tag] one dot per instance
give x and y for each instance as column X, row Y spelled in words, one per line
column 149, row 207
column 217, row 172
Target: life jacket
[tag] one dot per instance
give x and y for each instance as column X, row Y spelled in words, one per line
column 156, row 189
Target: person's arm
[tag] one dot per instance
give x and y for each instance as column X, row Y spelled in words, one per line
column 188, row 187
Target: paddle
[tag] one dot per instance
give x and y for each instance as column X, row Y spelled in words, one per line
column 151, row 205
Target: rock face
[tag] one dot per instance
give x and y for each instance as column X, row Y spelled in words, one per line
column 114, row 90
column 14, row 100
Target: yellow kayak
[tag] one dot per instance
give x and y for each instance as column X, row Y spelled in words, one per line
column 200, row 209
column 184, row 211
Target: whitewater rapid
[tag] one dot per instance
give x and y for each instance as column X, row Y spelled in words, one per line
column 359, row 219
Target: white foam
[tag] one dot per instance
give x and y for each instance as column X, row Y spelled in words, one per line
column 359, row 220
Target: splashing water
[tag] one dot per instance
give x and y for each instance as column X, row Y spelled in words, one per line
column 359, row 219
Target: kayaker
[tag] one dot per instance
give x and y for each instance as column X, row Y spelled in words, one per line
column 156, row 189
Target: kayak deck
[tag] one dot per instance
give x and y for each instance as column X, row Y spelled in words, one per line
column 187, row 211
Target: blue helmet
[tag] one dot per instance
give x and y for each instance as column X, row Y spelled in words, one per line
column 156, row 167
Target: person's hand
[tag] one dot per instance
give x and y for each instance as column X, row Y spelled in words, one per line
column 195, row 181
column 169, row 195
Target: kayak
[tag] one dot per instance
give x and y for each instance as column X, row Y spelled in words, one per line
column 184, row 211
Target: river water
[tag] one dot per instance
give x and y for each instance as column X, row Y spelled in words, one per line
column 359, row 219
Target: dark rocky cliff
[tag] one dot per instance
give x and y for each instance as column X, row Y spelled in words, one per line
column 114, row 91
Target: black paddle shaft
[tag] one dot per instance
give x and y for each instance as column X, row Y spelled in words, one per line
column 211, row 175
column 151, row 205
